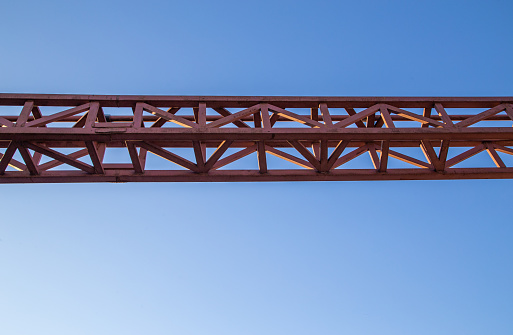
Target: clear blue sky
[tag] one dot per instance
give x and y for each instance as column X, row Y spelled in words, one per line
column 325, row 258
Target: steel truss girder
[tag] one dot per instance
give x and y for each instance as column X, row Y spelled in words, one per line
column 320, row 143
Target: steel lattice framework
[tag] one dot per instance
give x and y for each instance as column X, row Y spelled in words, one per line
column 65, row 138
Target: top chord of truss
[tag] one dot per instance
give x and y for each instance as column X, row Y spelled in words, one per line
column 107, row 138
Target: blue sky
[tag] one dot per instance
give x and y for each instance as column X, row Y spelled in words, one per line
column 405, row 257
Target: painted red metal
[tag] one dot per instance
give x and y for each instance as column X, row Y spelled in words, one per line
column 208, row 138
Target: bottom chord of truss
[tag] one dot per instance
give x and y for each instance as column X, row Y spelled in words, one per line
column 255, row 176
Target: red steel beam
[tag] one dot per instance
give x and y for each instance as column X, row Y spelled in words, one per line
column 319, row 136
column 15, row 99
